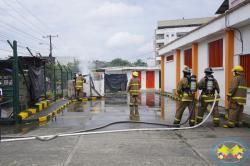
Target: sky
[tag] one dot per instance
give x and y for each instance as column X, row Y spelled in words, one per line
column 92, row 29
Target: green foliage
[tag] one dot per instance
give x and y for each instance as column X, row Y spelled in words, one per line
column 119, row 62
column 74, row 66
column 139, row 62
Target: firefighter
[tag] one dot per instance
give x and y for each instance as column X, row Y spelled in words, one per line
column 208, row 85
column 237, row 98
column 134, row 89
column 79, row 85
column 186, row 89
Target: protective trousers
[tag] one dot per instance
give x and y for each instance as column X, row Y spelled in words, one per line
column 182, row 105
column 203, row 108
column 79, row 92
column 235, row 114
column 134, row 100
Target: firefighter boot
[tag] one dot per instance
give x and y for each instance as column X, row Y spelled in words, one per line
column 131, row 115
column 191, row 122
column 216, row 122
column 177, row 121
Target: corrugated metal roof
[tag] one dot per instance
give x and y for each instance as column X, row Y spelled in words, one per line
column 183, row 22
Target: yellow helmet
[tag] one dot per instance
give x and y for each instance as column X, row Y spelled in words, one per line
column 135, row 74
column 238, row 68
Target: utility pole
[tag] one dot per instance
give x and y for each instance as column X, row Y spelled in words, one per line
column 50, row 43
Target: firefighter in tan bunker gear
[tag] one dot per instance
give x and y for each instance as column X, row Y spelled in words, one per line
column 134, row 87
column 237, row 98
column 208, row 85
column 79, row 85
column 186, row 89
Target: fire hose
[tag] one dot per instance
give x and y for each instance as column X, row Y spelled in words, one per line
column 92, row 131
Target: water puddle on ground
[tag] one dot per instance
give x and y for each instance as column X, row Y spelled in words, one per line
column 114, row 107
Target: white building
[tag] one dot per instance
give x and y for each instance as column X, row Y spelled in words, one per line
column 221, row 43
column 169, row 30
column 149, row 76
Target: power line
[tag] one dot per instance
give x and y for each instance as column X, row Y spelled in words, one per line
column 29, row 24
column 34, row 16
column 19, row 30
column 24, row 47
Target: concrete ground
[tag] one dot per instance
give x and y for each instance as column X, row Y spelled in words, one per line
column 189, row 147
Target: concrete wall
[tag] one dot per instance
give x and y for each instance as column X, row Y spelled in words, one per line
column 143, row 78
column 157, row 79
column 170, row 32
column 170, row 75
column 203, row 62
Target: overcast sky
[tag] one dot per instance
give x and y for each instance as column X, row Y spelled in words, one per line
column 93, row 29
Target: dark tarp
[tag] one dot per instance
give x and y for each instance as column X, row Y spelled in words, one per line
column 36, row 83
column 115, row 82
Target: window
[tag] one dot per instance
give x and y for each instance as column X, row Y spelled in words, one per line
column 180, row 34
column 215, row 53
column 170, row 58
column 160, row 36
column 245, row 63
column 188, row 58
column 159, row 45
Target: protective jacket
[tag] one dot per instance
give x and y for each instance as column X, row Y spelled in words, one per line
column 134, row 86
column 238, row 90
column 79, row 82
column 206, row 95
column 183, row 90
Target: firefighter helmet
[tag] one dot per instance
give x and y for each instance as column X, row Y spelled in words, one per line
column 135, row 74
column 208, row 70
column 238, row 68
column 186, row 70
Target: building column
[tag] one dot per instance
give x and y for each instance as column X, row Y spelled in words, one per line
column 162, row 74
column 229, row 55
column 178, row 67
column 195, row 59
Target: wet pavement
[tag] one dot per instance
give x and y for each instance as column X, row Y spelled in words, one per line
column 189, row 147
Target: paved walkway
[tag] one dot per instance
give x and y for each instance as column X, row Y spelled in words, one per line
column 189, row 147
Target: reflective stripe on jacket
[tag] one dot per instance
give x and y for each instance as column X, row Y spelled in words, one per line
column 183, row 90
column 238, row 89
column 134, row 86
column 79, row 82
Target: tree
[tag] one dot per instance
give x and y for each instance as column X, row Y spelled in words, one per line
column 119, row 62
column 74, row 66
column 139, row 62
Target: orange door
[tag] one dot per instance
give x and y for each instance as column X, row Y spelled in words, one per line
column 150, row 77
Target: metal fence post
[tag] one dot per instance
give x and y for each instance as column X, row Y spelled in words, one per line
column 16, row 102
column 54, row 72
column 45, row 83
column 61, row 81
